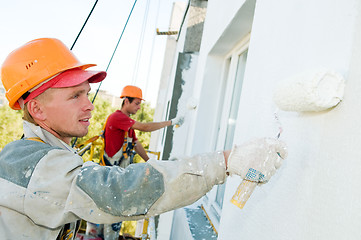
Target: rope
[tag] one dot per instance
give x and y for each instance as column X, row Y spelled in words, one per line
column 121, row 35
column 76, row 39
column 115, row 49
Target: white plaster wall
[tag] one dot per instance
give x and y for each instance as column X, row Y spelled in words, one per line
column 219, row 14
column 181, row 134
column 215, row 45
column 315, row 195
column 169, row 55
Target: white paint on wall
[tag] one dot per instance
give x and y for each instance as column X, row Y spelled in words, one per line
column 180, row 135
column 315, row 194
column 311, row 91
column 160, row 113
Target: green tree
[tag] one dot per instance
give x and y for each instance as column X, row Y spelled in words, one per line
column 145, row 114
column 11, row 127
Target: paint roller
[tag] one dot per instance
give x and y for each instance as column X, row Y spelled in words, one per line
column 311, row 91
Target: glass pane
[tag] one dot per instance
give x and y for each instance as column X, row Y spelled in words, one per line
column 233, row 113
column 222, row 96
column 220, row 194
column 236, row 96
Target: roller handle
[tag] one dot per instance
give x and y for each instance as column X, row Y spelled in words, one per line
column 243, row 192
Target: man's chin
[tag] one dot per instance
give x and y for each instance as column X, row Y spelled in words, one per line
column 80, row 135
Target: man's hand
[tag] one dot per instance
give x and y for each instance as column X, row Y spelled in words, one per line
column 177, row 121
column 257, row 160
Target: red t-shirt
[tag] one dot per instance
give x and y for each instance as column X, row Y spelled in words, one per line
column 115, row 128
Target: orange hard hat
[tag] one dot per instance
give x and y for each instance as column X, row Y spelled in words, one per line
column 132, row 91
column 36, row 61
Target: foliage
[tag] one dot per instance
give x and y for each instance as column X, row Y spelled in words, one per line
column 145, row 114
column 11, row 124
column 11, row 127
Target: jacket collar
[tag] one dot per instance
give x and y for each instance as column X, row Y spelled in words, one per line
column 31, row 130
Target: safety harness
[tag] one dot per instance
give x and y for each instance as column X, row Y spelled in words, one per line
column 126, row 151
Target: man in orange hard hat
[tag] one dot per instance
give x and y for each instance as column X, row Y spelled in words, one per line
column 46, row 188
column 119, row 135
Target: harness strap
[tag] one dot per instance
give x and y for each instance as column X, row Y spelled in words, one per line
column 37, row 139
column 102, row 135
column 125, row 145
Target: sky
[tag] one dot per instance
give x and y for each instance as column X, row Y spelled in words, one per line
column 138, row 59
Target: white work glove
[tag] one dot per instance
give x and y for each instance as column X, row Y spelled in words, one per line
column 177, row 121
column 257, row 160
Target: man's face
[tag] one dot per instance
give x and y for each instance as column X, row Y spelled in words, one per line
column 68, row 110
column 134, row 106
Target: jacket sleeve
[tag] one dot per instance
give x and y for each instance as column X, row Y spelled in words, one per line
column 111, row 194
column 187, row 180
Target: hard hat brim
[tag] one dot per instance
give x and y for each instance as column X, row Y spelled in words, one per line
column 69, row 78
column 74, row 77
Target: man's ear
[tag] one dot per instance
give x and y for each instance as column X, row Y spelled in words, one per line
column 35, row 108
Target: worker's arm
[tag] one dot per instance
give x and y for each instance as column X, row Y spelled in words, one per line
column 111, row 194
column 144, row 189
column 151, row 126
column 141, row 151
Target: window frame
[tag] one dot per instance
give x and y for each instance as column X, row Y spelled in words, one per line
column 229, row 74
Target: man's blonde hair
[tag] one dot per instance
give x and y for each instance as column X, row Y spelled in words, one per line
column 45, row 96
column 27, row 116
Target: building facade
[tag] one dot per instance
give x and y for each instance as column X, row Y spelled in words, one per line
column 114, row 101
column 225, row 88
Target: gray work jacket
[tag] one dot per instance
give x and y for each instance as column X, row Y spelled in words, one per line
column 46, row 185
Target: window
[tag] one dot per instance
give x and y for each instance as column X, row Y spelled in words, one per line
column 232, row 116
column 236, row 95
column 234, row 66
